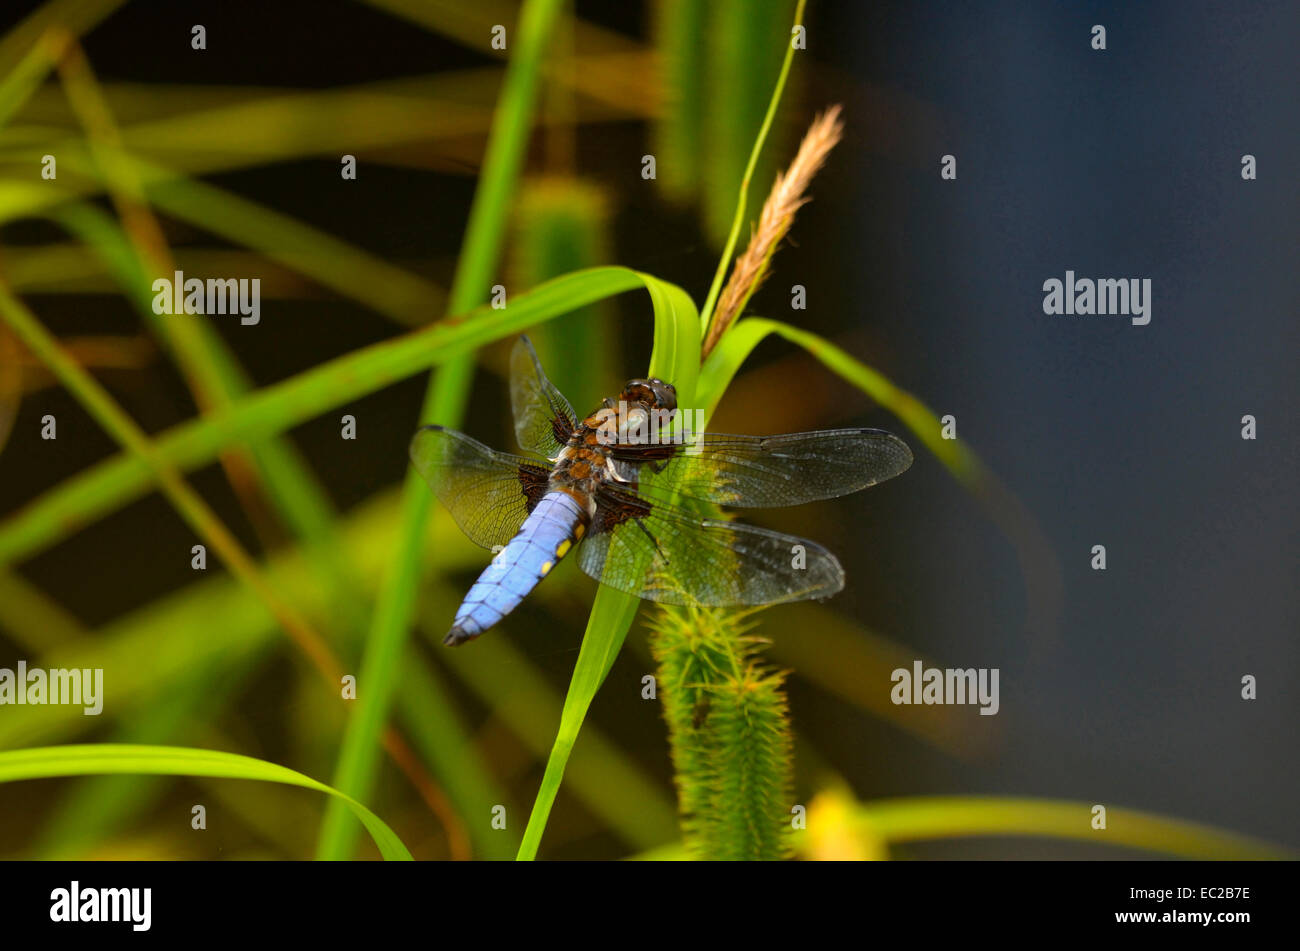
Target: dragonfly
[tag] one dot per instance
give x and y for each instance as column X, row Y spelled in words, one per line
column 638, row 505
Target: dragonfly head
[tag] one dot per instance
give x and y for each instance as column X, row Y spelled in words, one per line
column 652, row 394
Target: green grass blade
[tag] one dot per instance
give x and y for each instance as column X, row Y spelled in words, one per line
column 744, row 42
column 355, row 273
column 292, row 487
column 75, row 17
column 187, row 127
column 611, row 617
column 562, row 227
column 676, row 358
column 876, row 825
column 680, row 32
column 99, row 806
column 946, row 817
column 736, row 345
column 105, row 758
column 610, row 785
column 31, row 618
column 444, row 404
column 706, row 315
column 435, row 725
column 117, row 481
column 24, row 79
column 200, row 516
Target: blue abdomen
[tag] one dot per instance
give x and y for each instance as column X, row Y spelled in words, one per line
column 545, row 537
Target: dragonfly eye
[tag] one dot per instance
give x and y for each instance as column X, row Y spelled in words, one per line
column 665, row 395
column 653, row 394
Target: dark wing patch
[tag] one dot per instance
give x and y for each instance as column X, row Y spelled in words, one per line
column 488, row 493
column 544, row 420
column 534, row 480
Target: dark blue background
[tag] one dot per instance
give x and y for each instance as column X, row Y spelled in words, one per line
column 1122, row 163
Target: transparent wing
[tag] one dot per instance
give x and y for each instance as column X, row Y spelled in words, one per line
column 666, row 554
column 772, row 471
column 543, row 417
column 488, row 493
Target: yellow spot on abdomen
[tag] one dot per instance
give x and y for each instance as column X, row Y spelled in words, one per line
column 580, row 530
column 547, row 566
column 563, row 548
